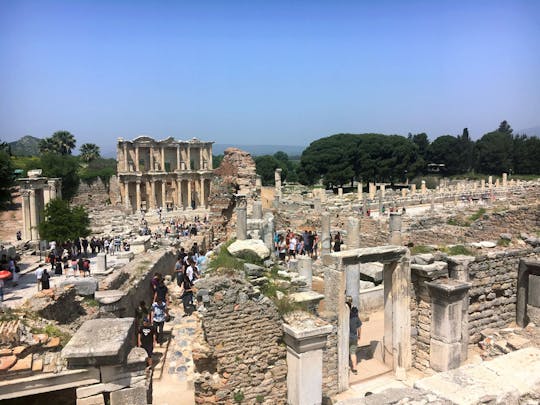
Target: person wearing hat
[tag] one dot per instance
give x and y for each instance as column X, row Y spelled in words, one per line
column 147, row 339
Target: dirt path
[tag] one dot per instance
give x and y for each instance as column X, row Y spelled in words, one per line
column 11, row 219
column 173, row 377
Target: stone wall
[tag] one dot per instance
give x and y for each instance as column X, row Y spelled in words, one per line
column 241, row 353
column 131, row 284
column 420, row 322
column 492, row 298
column 92, row 195
column 235, row 174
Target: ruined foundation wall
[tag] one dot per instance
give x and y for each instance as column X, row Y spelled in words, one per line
column 420, row 323
column 241, row 352
column 492, row 298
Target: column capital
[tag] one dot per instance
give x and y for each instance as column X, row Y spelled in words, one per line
column 448, row 290
column 307, row 334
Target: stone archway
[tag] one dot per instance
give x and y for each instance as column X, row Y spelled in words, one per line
column 397, row 317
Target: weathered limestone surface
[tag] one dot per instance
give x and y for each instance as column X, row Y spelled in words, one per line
column 249, row 246
column 100, row 342
column 85, row 286
column 504, row 380
column 240, row 349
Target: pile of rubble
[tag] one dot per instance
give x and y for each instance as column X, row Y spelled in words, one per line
column 503, row 341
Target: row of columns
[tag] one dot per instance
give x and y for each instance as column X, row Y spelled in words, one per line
column 152, row 203
column 36, row 194
column 183, row 160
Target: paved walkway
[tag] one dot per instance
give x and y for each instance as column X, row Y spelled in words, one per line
column 173, row 373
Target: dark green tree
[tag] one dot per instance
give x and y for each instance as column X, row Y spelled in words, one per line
column 6, row 174
column 62, row 222
column 216, row 161
column 505, row 128
column 525, row 155
column 64, row 167
column 494, row 153
column 466, row 149
column 266, row 166
column 89, row 152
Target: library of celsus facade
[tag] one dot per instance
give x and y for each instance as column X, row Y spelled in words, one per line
column 168, row 173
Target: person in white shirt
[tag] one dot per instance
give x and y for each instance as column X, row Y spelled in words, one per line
column 39, row 274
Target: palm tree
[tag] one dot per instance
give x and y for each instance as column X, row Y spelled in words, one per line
column 48, row 145
column 65, row 141
column 89, row 151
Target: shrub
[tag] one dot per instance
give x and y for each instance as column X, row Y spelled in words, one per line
column 420, row 249
column 477, row 215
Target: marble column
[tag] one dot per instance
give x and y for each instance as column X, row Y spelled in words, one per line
column 360, row 186
column 151, row 168
column 153, row 204
column 179, row 193
column 177, row 157
column 277, row 180
column 126, row 167
column 241, row 215
column 505, row 180
column 490, row 182
column 188, row 163
column 446, row 316
column 138, row 195
column 423, row 188
column 27, row 218
column 189, row 194
column 257, row 210
column 137, row 159
column 413, row 189
column 353, row 233
column 395, row 229
column 305, row 270
column 383, row 190
column 163, row 194
column 33, row 216
column 162, row 158
column 340, row 192
column 372, row 190
column 325, row 234
column 203, row 195
column 127, row 202
column 305, row 346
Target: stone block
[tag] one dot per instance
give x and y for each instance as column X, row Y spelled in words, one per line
column 129, row 396
column 253, row 270
column 118, row 372
column 85, row 286
column 93, row 400
column 108, row 297
column 100, row 342
column 372, row 271
column 534, row 290
column 444, row 356
column 249, row 246
column 115, row 385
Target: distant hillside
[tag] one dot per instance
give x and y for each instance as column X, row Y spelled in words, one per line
column 258, row 150
column 26, row 146
column 534, row 131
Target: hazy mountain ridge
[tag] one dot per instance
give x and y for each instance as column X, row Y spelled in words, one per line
column 26, row 146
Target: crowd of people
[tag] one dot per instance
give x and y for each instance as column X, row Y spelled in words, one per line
column 150, row 320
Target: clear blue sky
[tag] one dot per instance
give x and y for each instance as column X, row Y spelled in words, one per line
column 266, row 72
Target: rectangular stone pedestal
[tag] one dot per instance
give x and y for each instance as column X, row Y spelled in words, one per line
column 304, row 377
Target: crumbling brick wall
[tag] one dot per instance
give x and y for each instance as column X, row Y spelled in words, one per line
column 492, row 298
column 420, row 323
column 241, row 352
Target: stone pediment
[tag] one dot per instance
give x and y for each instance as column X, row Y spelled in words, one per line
column 143, row 138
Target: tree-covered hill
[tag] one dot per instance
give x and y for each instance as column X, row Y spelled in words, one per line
column 26, row 146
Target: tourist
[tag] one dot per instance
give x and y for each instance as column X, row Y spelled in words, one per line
column 161, row 291
column 158, row 315
column 178, row 269
column 39, row 274
column 45, row 279
column 80, row 265
column 19, row 235
column 141, row 312
column 1, row 290
column 292, row 246
column 315, row 254
column 147, row 339
column 154, row 283
column 86, row 268
column 282, row 248
column 337, row 242
column 201, row 262
column 74, row 266
column 355, row 327
column 14, row 269
column 187, row 295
